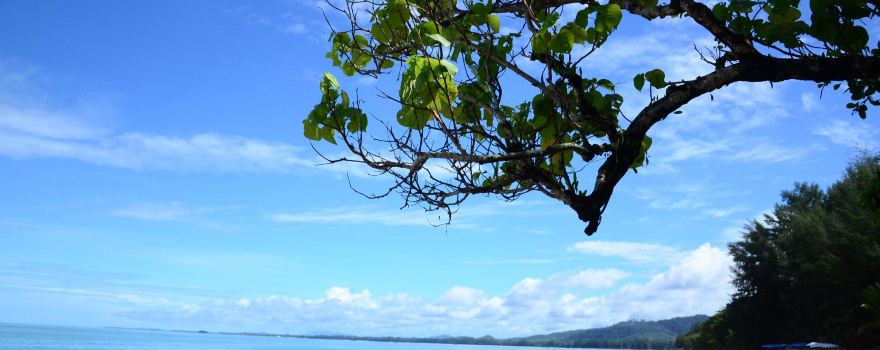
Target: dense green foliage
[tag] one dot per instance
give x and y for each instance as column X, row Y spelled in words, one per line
column 450, row 57
column 810, row 273
column 623, row 335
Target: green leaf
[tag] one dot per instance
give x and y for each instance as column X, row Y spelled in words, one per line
column 548, row 141
column 329, row 83
column 592, row 36
column 853, row 39
column 548, row 20
column 605, row 83
column 720, row 12
column 608, row 17
column 380, row 33
column 562, row 42
column 440, row 39
column 639, row 81
column 540, row 43
column 310, row 130
column 583, row 18
column 823, row 28
column 327, row 134
column 429, row 27
column 348, row 69
column 541, row 107
column 449, row 67
column 345, row 101
column 580, row 34
column 643, row 152
column 480, row 9
column 614, row 15
column 427, row 86
column 361, row 41
column 494, row 22
column 657, row 78
column 357, row 120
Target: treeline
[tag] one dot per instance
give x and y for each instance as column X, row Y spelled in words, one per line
column 810, row 272
column 623, row 335
column 488, row 340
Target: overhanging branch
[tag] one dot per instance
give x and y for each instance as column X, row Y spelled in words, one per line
column 763, row 69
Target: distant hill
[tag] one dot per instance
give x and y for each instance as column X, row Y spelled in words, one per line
column 624, row 335
column 629, row 334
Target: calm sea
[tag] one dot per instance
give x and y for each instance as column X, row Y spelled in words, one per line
column 28, row 337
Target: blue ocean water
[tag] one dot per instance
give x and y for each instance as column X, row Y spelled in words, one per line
column 30, row 337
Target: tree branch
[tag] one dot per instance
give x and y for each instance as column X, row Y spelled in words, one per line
column 763, row 69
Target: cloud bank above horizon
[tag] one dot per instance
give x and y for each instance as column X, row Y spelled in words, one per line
column 696, row 283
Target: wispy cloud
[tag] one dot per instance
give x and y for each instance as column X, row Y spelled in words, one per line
column 809, row 102
column 32, row 128
column 702, row 199
column 854, row 134
column 630, row 251
column 726, row 124
column 355, row 216
column 468, row 217
column 675, row 147
column 105, row 286
column 510, row 261
column 297, row 21
column 723, row 212
column 138, row 151
column 158, row 211
column 173, row 211
column 770, row 153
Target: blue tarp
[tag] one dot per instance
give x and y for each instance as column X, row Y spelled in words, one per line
column 799, row 346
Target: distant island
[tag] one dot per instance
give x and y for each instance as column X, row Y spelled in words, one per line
column 624, row 335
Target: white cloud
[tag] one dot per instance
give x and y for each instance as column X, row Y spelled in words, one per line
column 157, row 211
column 697, row 282
column 630, row 251
column 849, row 134
column 173, row 211
column 471, row 216
column 295, row 28
column 45, row 123
column 770, row 153
column 701, row 199
column 588, row 279
column 809, row 102
column 679, row 149
column 720, row 127
column 202, row 152
column 31, row 128
column 682, row 196
column 355, row 216
column 510, row 261
column 290, row 23
column 722, row 212
column 33, row 125
column 343, row 296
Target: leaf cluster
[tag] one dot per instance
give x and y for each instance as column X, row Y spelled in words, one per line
column 453, row 60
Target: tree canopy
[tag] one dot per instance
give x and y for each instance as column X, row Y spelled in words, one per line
column 810, row 272
column 450, row 57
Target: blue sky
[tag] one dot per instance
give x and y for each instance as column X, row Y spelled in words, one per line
column 154, row 175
